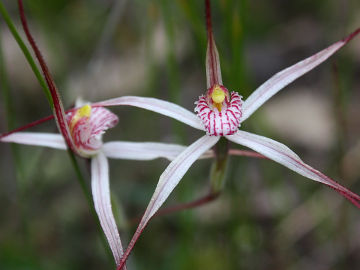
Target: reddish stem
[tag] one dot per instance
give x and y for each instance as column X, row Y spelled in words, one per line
column 58, row 108
column 165, row 211
column 32, row 124
column 208, row 18
column 245, row 153
column 196, row 203
column 183, row 206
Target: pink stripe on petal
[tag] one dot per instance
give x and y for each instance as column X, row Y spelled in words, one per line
column 167, row 182
column 102, row 119
column 87, row 132
column 221, row 123
column 283, row 155
column 102, row 201
column 288, row 75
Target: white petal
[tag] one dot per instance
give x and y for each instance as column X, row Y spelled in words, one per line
column 169, row 180
column 156, row 105
column 175, row 171
column 102, row 201
column 37, row 139
column 142, row 150
column 288, row 75
column 283, row 155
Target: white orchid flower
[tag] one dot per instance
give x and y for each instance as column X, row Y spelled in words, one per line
column 87, row 125
column 220, row 113
column 81, row 129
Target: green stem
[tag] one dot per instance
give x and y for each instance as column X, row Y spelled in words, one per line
column 88, row 197
column 219, row 166
column 26, row 52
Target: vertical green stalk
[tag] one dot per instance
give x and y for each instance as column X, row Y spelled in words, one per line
column 219, row 166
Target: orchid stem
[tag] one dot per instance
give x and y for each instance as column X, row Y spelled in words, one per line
column 57, row 107
column 26, row 53
column 189, row 205
column 219, row 166
column 211, row 196
column 88, row 197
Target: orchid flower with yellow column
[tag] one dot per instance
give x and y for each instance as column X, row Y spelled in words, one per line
column 220, row 113
column 87, row 125
column 81, row 130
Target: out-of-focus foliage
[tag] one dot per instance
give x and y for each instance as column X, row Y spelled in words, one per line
column 267, row 216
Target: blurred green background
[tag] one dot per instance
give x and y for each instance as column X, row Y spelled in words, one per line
column 267, row 217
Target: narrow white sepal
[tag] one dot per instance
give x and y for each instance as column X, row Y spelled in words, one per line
column 169, row 180
column 174, row 173
column 156, row 105
column 37, row 139
column 102, row 201
column 142, row 150
column 286, row 157
column 285, row 77
column 146, row 150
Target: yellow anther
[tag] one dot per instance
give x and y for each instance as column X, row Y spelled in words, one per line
column 84, row 111
column 218, row 95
